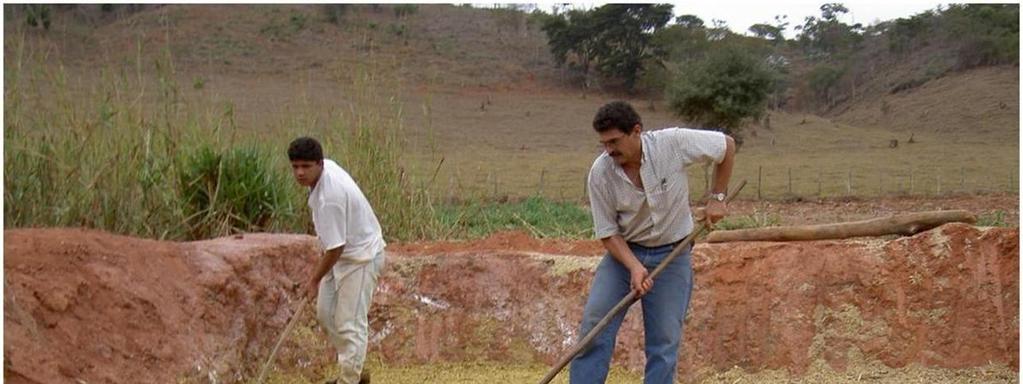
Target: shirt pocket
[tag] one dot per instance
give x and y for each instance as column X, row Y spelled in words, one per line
column 670, row 191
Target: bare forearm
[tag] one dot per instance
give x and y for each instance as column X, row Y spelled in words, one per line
column 326, row 263
column 620, row 251
column 638, row 274
column 723, row 170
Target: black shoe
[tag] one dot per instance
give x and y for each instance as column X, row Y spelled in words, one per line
column 363, row 378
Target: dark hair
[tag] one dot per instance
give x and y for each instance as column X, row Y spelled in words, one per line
column 305, row 148
column 616, row 115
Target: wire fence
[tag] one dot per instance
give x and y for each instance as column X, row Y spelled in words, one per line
column 787, row 182
column 764, row 183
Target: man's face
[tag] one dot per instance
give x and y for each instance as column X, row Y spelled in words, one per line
column 306, row 172
column 620, row 146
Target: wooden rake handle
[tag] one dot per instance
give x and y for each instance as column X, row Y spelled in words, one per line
column 631, row 297
column 287, row 330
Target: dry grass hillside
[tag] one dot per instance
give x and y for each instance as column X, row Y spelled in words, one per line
column 486, row 113
column 430, row 44
column 979, row 102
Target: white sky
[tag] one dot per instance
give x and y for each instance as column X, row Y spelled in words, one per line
column 740, row 15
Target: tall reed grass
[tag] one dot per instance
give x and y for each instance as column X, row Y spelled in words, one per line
column 130, row 155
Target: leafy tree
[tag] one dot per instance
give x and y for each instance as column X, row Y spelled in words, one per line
column 985, row 34
column 826, row 36
column 569, row 36
column 724, row 90
column 335, row 13
column 624, row 41
column 823, row 79
column 773, row 32
column 38, row 15
column 903, row 32
column 766, row 31
column 689, row 41
column 689, row 21
column 975, row 34
column 685, row 40
column 403, row 11
column 614, row 38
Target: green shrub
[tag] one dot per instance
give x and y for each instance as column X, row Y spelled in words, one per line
column 398, row 29
column 335, row 12
column 755, row 220
column 822, row 80
column 297, row 21
column 992, row 219
column 38, row 15
column 403, row 10
column 235, row 190
column 277, row 29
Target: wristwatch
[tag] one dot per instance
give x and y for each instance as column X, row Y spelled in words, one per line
column 718, row 196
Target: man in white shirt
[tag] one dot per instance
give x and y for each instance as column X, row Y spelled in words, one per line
column 639, row 196
column 343, row 281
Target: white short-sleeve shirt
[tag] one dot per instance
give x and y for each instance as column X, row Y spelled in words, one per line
column 343, row 216
column 659, row 214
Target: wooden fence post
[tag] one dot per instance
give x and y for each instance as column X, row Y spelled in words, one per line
column 790, row 181
column 962, row 179
column 760, row 180
column 912, row 183
column 848, row 183
column 820, row 186
column 495, row 184
column 539, row 190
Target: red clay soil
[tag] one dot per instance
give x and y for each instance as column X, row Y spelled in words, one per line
column 944, row 298
column 105, row 309
column 501, row 241
column 87, row 305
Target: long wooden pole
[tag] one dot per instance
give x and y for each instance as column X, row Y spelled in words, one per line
column 630, row 298
column 906, row 225
column 287, row 330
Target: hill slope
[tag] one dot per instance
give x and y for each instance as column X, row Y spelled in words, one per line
column 976, row 102
column 431, row 43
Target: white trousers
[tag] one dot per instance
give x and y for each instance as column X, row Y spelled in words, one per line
column 342, row 308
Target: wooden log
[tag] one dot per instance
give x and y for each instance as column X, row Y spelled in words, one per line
column 906, row 225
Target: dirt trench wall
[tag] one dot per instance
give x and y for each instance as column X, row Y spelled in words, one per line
column 101, row 308
column 944, row 298
column 90, row 306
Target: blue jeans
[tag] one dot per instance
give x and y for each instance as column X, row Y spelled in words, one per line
column 664, row 310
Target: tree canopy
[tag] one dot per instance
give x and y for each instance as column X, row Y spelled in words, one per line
column 613, row 39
